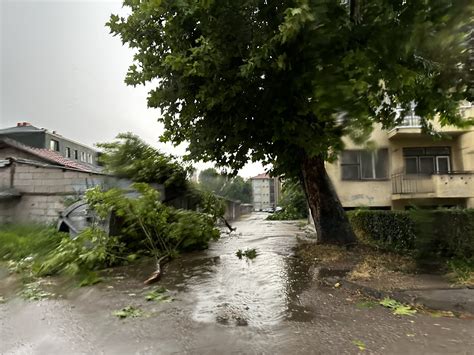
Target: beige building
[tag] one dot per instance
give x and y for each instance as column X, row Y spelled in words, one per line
column 407, row 167
column 265, row 192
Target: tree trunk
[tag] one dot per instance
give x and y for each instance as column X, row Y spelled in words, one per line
column 330, row 220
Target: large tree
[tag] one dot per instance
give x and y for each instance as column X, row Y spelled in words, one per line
column 283, row 81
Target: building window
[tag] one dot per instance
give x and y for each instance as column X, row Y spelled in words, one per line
column 83, row 156
column 427, row 160
column 68, row 152
column 364, row 165
column 76, row 154
column 54, row 145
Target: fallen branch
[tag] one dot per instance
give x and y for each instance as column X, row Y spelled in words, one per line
column 228, row 225
column 156, row 275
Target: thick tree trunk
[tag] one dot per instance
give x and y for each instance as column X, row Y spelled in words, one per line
column 330, row 220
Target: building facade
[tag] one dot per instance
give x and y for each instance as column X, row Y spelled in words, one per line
column 41, row 138
column 408, row 167
column 265, row 192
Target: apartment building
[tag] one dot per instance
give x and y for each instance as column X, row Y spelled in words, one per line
column 41, row 138
column 265, row 192
column 408, row 167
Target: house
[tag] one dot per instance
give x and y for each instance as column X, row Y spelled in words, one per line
column 41, row 138
column 265, row 192
column 408, row 167
column 36, row 183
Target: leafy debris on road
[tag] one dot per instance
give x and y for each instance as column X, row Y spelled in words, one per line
column 128, row 312
column 159, row 295
column 33, row 292
column 360, row 344
column 248, row 253
column 397, row 307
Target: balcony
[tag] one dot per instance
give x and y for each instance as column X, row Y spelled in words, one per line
column 455, row 184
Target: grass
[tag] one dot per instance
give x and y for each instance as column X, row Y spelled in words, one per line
column 26, row 243
column 461, row 271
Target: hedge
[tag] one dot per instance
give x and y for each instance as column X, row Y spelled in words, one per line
column 427, row 234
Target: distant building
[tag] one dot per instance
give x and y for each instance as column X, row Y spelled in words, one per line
column 265, row 192
column 41, row 138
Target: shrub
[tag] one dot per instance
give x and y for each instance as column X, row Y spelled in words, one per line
column 391, row 230
column 430, row 235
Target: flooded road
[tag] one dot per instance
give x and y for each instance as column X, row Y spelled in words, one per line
column 224, row 305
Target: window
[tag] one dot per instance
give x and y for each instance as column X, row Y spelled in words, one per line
column 427, row 161
column 54, row 145
column 83, row 156
column 68, row 152
column 364, row 165
column 76, row 154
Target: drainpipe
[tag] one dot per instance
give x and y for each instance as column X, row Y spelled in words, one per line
column 12, row 173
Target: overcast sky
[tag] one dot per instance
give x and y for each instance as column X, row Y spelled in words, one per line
column 62, row 70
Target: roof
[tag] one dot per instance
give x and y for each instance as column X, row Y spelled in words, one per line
column 50, row 156
column 28, row 128
column 262, row 176
column 21, row 129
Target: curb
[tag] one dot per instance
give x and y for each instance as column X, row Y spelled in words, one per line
column 408, row 297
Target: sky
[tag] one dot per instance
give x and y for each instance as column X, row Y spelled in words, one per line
column 61, row 69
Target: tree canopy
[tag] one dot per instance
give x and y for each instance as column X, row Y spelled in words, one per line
column 130, row 157
column 282, row 81
column 232, row 188
column 268, row 80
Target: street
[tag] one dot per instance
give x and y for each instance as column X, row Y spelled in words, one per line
column 223, row 304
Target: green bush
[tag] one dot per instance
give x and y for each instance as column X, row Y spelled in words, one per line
column 430, row 235
column 392, row 230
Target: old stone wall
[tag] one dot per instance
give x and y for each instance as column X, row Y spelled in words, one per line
column 44, row 190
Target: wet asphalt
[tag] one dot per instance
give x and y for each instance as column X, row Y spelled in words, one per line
column 222, row 305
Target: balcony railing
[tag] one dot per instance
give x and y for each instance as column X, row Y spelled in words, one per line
column 452, row 184
column 412, row 183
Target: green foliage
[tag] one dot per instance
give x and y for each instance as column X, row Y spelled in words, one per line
column 248, row 253
column 128, row 312
column 268, row 80
column 237, row 188
column 159, row 295
column 444, row 233
column 391, row 230
column 130, row 157
column 33, row 292
column 30, row 242
column 463, row 270
column 293, row 202
column 210, row 180
column 93, row 249
column 397, row 307
column 232, row 188
column 360, row 344
column 430, row 235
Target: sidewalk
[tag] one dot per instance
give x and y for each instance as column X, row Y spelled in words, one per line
column 380, row 274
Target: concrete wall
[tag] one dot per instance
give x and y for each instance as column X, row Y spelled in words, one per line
column 44, row 191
